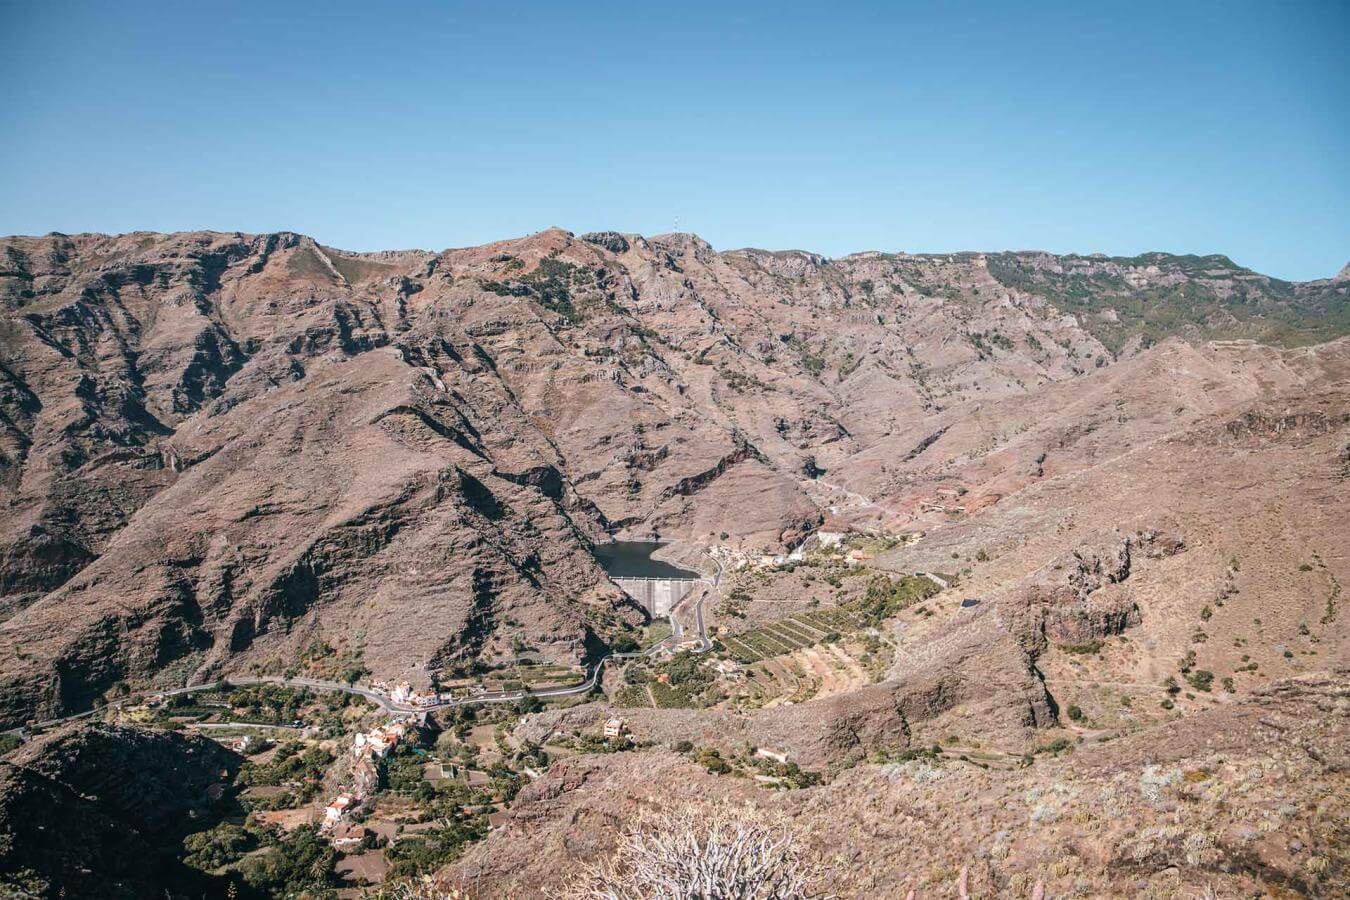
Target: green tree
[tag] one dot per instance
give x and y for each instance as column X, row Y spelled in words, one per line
column 220, row 846
column 293, row 863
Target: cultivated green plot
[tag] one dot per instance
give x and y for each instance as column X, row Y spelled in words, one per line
column 884, row 598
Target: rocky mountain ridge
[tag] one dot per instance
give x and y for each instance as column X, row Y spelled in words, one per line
column 226, row 450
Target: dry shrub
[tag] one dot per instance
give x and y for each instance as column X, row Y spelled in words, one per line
column 425, row 888
column 714, row 852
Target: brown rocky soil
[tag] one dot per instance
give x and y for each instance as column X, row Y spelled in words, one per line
column 1244, row 800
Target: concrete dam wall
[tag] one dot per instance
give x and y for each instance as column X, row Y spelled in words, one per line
column 657, row 595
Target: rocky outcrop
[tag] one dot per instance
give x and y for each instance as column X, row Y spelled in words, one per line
column 1260, row 426
column 610, row 240
column 1063, row 602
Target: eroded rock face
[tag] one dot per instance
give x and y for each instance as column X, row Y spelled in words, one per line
column 1064, row 602
column 986, row 664
column 218, row 450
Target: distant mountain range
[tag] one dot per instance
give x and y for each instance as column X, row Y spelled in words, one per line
column 222, row 452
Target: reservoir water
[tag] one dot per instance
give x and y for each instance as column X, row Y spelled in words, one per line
column 633, row 559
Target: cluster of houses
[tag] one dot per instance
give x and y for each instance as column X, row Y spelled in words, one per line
column 853, row 557
column 728, row 668
column 367, row 747
column 782, row 559
column 832, row 535
column 379, row 740
column 402, row 692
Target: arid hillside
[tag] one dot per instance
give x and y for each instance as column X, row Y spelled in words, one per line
column 226, row 452
column 1245, row 800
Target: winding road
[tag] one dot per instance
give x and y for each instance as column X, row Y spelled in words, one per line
column 382, row 700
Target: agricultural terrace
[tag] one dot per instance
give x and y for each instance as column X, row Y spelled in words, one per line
column 885, row 596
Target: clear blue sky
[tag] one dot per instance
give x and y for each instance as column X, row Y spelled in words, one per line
column 1122, row 127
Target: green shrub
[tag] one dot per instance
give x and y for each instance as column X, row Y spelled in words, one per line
column 1200, row 679
column 292, row 863
column 1087, row 649
column 290, row 763
column 432, row 850
column 220, row 846
column 711, row 760
column 887, row 596
column 1058, row 745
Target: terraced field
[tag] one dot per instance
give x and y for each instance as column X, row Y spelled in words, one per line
column 535, row 676
column 805, row 674
column 805, row 629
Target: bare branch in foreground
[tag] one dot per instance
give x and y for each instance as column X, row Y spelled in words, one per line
column 717, row 852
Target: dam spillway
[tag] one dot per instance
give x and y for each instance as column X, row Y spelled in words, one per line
column 657, row 585
column 657, row 595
